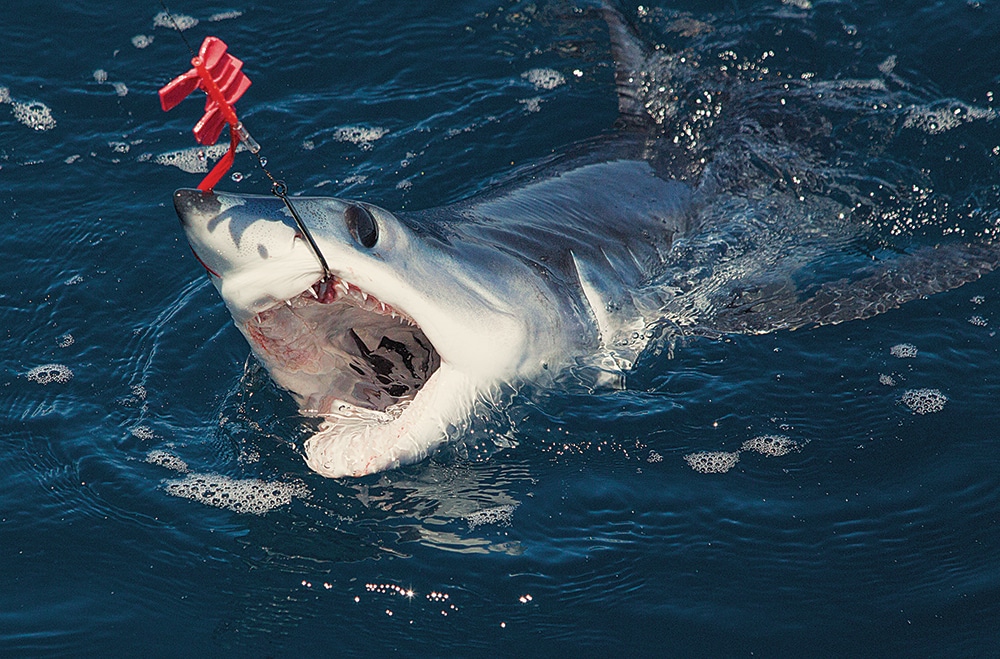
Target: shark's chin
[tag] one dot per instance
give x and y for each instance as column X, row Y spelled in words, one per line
column 356, row 442
column 351, row 359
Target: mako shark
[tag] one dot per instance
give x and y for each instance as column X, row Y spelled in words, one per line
column 393, row 327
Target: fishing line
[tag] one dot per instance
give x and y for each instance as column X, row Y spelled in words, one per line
column 278, row 187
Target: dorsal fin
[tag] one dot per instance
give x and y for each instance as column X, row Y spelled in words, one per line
column 630, row 55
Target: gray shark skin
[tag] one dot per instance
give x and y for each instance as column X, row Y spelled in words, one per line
column 570, row 266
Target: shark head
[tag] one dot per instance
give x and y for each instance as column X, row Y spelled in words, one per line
column 393, row 344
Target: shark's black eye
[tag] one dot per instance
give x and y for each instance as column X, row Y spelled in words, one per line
column 362, row 226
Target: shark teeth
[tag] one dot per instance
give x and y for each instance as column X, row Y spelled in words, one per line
column 336, row 289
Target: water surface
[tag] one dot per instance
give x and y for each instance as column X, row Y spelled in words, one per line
column 153, row 494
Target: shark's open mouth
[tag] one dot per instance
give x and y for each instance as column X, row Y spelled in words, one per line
column 335, row 344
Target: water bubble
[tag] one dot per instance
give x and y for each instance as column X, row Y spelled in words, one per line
column 179, row 22
column 978, row 321
column 500, row 515
column 48, row 373
column 903, row 351
column 249, row 495
column 65, row 341
column 887, row 380
column 362, row 136
column 712, row 462
column 771, row 445
column 935, row 120
column 195, row 159
column 531, row 104
column 225, row 15
column 924, row 401
column 654, row 457
column 544, row 78
column 237, row 177
column 168, row 460
column 35, row 115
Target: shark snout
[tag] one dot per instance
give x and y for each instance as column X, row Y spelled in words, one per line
column 194, row 204
column 230, row 232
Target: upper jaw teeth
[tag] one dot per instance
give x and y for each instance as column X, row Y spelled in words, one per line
column 335, row 288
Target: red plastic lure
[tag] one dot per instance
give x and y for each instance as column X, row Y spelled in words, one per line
column 221, row 77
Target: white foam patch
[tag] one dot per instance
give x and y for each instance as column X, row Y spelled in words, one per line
column 142, row 432
column 924, row 401
column 101, row 76
column 49, row 373
column 65, row 340
column 771, row 446
column 194, row 160
column 4, row 95
column 499, row 515
column 887, row 380
column 168, row 460
column 978, row 321
column 936, row 120
column 712, row 462
column 35, row 115
column 903, row 351
column 179, row 22
column 120, row 88
column 247, row 495
column 225, row 15
column 531, row 104
column 362, row 136
column 141, row 41
column 544, row 78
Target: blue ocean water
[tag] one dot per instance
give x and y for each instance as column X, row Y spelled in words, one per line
column 153, row 499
